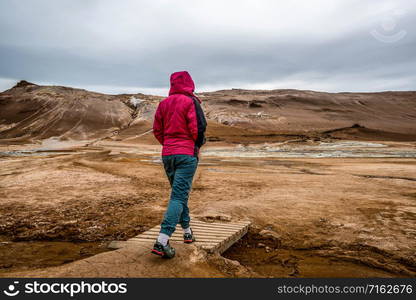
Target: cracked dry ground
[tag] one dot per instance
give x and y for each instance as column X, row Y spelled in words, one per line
column 323, row 217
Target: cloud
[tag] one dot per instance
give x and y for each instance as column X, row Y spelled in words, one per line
column 117, row 46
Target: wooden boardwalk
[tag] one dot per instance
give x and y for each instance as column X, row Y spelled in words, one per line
column 212, row 237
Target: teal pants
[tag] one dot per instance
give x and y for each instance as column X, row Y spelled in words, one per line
column 180, row 170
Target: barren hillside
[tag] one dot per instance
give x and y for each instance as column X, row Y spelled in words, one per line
column 349, row 115
column 29, row 111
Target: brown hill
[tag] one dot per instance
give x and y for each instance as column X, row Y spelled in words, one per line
column 295, row 111
column 30, row 111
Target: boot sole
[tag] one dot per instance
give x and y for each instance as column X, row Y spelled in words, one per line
column 161, row 254
column 157, row 252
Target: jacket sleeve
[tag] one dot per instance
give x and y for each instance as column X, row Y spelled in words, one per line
column 197, row 123
column 158, row 125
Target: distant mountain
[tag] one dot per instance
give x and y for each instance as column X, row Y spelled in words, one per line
column 29, row 111
column 299, row 111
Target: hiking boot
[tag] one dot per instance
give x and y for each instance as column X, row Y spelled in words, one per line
column 164, row 251
column 188, row 238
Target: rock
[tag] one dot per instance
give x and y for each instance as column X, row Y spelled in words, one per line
column 268, row 249
column 269, row 234
column 261, row 245
column 217, row 216
column 233, row 263
column 255, row 227
column 294, row 272
column 23, row 83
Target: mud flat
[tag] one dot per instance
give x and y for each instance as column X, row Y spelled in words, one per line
column 36, row 254
column 312, row 216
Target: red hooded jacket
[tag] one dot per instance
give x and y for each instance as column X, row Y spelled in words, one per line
column 179, row 124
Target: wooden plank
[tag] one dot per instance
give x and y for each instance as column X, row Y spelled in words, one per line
column 176, row 239
column 197, row 231
column 212, row 237
column 233, row 240
column 180, row 237
column 150, row 242
column 222, row 225
column 208, row 227
column 233, row 224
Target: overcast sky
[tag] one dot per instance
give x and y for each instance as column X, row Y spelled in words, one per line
column 133, row 46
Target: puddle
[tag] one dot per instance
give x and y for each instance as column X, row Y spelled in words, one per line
column 50, row 146
column 19, row 153
column 350, row 144
column 341, row 149
column 269, row 259
column 301, row 263
column 16, row 256
column 157, row 161
column 226, row 171
column 314, row 154
column 345, row 149
column 54, row 143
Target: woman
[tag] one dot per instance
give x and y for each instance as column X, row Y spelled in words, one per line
column 179, row 125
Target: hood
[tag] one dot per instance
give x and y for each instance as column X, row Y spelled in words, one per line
column 182, row 83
